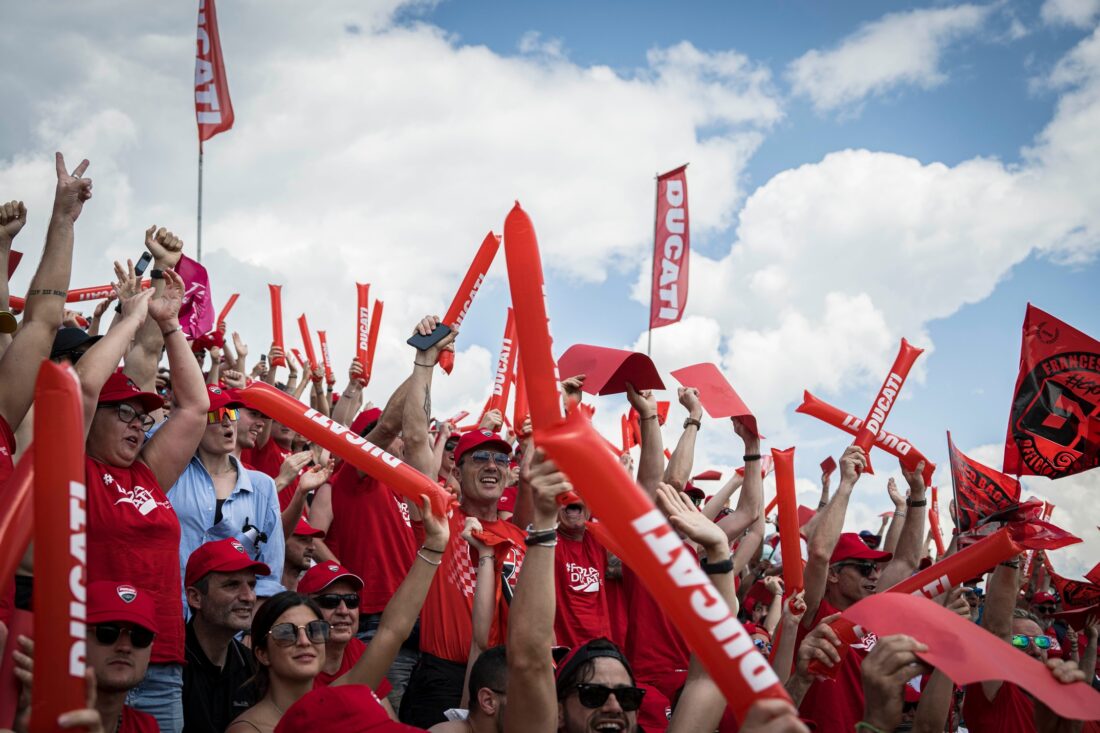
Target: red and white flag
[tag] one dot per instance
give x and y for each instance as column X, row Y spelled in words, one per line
column 670, row 250
column 213, row 108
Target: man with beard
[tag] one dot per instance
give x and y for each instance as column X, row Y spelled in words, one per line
column 299, row 553
column 221, row 593
column 488, row 696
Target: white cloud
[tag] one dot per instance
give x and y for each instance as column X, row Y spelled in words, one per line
column 1078, row 13
column 895, row 50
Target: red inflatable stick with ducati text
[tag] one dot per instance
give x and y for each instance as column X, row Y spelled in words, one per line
column 322, row 338
column 648, row 543
column 475, row 276
column 506, row 365
column 362, row 322
column 16, row 518
column 307, row 341
column 892, row 444
column 225, row 311
column 343, row 443
column 277, row 323
column 60, row 587
column 790, row 541
column 887, row 395
column 375, row 325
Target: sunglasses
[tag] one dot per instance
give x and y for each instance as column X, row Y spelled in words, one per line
column 287, row 634
column 128, row 414
column 1046, row 609
column 484, row 456
column 1023, row 641
column 450, row 445
column 863, row 568
column 215, row 416
column 329, row 601
column 107, row 635
column 595, row 696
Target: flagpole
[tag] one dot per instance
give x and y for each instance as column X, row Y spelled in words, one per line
column 198, row 239
column 649, row 330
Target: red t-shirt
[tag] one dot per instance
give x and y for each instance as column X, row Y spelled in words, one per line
column 446, row 623
column 371, row 534
column 134, row 537
column 7, row 451
column 655, row 648
column 268, row 459
column 580, row 572
column 1010, row 711
column 836, row 705
column 352, row 652
column 135, row 721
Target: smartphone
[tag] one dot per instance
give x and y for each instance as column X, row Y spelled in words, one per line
column 139, row 270
column 263, row 358
column 423, row 343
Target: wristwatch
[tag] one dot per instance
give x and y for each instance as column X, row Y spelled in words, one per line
column 692, row 421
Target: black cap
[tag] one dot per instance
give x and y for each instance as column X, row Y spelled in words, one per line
column 70, row 338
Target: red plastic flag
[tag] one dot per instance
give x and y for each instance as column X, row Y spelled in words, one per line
column 213, row 108
column 475, row 276
column 506, row 365
column 828, row 466
column 607, row 371
column 715, row 392
column 1075, row 593
column 671, row 246
column 979, row 490
column 1054, row 421
column 1093, row 576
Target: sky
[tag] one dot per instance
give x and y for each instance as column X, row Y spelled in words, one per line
column 859, row 173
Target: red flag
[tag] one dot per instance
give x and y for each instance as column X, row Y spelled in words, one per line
column 1054, row 422
column 213, row 108
column 1075, row 593
column 671, row 239
column 1093, row 576
column 196, row 314
column 979, row 490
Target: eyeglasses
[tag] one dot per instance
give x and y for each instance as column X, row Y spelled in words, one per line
column 128, row 414
column 215, row 416
column 594, row 696
column 1046, row 609
column 287, row 634
column 484, row 456
column 329, row 601
column 864, row 568
column 1023, row 641
column 107, row 634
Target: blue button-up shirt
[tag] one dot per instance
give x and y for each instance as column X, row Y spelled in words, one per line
column 253, row 501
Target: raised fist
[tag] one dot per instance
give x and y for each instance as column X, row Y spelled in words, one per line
column 165, row 247
column 13, row 215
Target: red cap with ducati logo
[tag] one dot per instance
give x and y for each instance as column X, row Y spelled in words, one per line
column 113, row 602
column 478, row 439
column 223, row 556
column 319, row 577
column 220, row 398
column 120, row 388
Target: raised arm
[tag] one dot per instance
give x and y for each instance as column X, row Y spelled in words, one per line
column 532, row 702
column 169, row 450
column 393, row 415
column 142, row 360
column 485, row 596
column 45, row 305
column 893, row 534
column 13, row 215
column 678, row 470
column 783, row 653
column 652, row 459
column 938, row 693
column 910, row 546
column 418, row 402
column 750, row 504
column 351, row 398
column 809, row 527
column 721, row 498
column 1000, row 600
column 831, row 522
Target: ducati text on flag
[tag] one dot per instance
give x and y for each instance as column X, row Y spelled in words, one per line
column 670, row 250
column 213, row 108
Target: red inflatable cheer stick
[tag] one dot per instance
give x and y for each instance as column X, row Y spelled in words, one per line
column 475, row 276
column 16, row 518
column 962, row 566
column 790, row 541
column 225, row 311
column 60, row 590
column 375, row 325
column 887, row 395
column 892, row 444
column 277, row 323
column 934, row 522
column 506, row 363
column 307, row 341
column 330, row 378
column 520, row 409
column 362, row 323
column 342, row 442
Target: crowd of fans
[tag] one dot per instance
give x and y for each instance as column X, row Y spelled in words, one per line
column 241, row 579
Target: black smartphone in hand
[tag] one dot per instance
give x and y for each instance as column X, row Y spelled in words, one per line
column 139, row 270
column 423, row 343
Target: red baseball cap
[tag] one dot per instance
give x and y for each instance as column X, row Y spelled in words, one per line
column 321, row 576
column 693, row 490
column 851, row 547
column 109, row 601
column 349, row 708
column 365, row 418
column 220, row 398
column 120, row 388
column 478, row 438
column 507, row 501
column 305, row 529
column 1044, row 597
column 222, row 556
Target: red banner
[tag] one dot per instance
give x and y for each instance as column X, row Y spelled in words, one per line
column 887, row 394
column 60, row 579
column 849, row 423
column 213, row 108
column 1074, row 593
column 277, row 323
column 671, row 247
column 330, row 378
column 307, row 341
column 475, row 276
column 1054, row 421
column 372, row 342
column 506, row 364
column 790, row 540
column 979, row 490
column 362, row 323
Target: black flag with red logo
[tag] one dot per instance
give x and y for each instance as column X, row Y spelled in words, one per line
column 1054, row 423
column 979, row 490
column 1075, row 593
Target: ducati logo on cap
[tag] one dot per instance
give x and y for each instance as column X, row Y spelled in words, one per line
column 333, row 568
column 127, row 593
column 238, row 547
column 487, row 433
column 216, row 390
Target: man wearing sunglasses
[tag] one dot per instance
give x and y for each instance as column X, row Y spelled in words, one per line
column 481, row 459
column 1044, row 605
column 218, row 498
column 221, row 580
